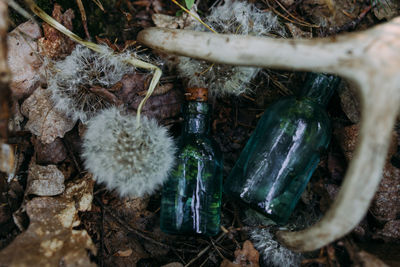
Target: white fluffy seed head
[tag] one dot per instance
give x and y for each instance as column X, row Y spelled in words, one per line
column 235, row 17
column 273, row 253
column 133, row 161
column 71, row 79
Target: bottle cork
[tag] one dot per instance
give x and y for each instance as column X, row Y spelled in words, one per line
column 196, row 94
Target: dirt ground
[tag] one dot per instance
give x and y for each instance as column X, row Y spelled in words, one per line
column 53, row 213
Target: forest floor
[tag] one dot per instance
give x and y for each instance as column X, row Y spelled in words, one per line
column 50, row 183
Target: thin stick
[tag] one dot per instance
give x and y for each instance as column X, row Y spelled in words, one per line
column 99, row 4
column 201, row 253
column 194, row 16
column 83, row 16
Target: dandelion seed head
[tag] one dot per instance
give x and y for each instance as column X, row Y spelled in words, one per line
column 132, row 160
column 70, row 80
column 235, row 17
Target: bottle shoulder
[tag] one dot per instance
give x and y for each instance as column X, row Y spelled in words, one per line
column 297, row 108
column 196, row 145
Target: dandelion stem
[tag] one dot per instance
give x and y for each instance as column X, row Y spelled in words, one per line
column 95, row 47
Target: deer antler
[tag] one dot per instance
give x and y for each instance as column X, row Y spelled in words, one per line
column 371, row 59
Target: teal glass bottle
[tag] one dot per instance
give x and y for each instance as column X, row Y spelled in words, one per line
column 284, row 150
column 191, row 197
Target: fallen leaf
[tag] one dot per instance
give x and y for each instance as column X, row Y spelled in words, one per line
column 386, row 203
column 349, row 102
column 45, row 121
column 173, row 22
column 81, row 191
column 5, row 212
column 173, row 264
column 248, row 256
column 390, row 231
column 55, row 44
column 123, row 253
column 387, row 9
column 50, row 239
column 165, row 105
column 7, row 158
column 297, row 32
column 16, row 118
column 23, row 60
column 45, row 180
column 368, row 260
column 52, row 153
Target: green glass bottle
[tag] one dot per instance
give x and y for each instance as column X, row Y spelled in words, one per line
column 191, row 197
column 283, row 152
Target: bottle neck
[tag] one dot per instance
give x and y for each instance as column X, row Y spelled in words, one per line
column 320, row 87
column 196, row 118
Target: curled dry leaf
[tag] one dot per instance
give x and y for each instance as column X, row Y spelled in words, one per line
column 173, row 264
column 386, row 203
column 45, row 121
column 165, row 102
column 387, row 9
column 390, row 231
column 45, row 180
column 50, row 239
column 54, row 44
column 23, row 60
column 5, row 211
column 52, row 153
column 7, row 158
column 349, row 101
column 368, row 260
column 173, row 22
column 16, row 118
column 81, row 191
column 246, row 257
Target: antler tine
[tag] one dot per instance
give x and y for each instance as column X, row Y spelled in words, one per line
column 370, row 58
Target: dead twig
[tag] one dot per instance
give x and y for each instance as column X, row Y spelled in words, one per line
column 137, row 232
column 84, row 19
column 201, row 253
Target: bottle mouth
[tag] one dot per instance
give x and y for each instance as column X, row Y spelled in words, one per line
column 198, row 94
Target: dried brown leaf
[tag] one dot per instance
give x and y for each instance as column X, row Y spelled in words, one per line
column 54, row 44
column 163, row 106
column 45, row 180
column 387, row 9
column 124, row 253
column 172, row 22
column 23, row 60
column 248, row 256
column 7, row 158
column 349, row 101
column 173, row 264
column 5, row 212
column 52, row 153
column 386, row 203
column 45, row 121
column 50, row 239
column 391, row 231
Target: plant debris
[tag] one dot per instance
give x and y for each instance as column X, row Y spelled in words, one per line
column 46, row 122
column 51, row 211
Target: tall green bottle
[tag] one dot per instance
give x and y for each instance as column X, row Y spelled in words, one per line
column 284, row 150
column 191, row 197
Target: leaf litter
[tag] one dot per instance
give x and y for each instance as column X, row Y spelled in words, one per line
column 66, row 227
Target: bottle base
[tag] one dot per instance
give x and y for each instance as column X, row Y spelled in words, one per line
column 172, row 231
column 279, row 220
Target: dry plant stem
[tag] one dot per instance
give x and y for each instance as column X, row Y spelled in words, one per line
column 371, row 59
column 84, row 19
column 134, row 61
